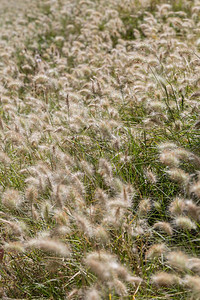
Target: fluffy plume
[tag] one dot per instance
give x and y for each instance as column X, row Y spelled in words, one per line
column 11, row 199
column 144, row 206
column 195, row 188
column 185, row 223
column 164, row 279
column 92, row 294
column 193, row 282
column 177, row 206
column 164, row 226
column 179, row 176
column 169, row 158
column 156, row 250
column 178, row 260
column 49, row 245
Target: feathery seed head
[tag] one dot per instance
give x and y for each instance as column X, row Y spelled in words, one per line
column 31, row 193
column 194, row 283
column 185, row 223
column 15, row 247
column 49, row 245
column 11, row 199
column 177, row 206
column 164, row 226
column 144, row 207
column 178, row 260
column 195, row 188
column 169, row 158
column 151, row 177
column 164, row 279
column 179, row 176
column 156, row 251
column 92, row 294
column 192, row 209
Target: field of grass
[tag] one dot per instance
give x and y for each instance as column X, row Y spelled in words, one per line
column 100, row 149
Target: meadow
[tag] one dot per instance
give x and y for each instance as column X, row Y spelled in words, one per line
column 100, row 149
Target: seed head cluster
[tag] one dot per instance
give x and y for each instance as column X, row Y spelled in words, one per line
column 99, row 149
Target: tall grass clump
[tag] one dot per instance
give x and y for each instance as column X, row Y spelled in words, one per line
column 100, row 156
